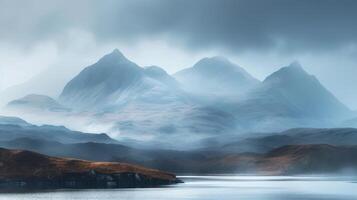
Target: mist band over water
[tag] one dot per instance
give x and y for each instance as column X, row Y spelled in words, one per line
column 213, row 187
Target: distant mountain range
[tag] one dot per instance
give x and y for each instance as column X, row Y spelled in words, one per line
column 5, row 120
column 298, row 136
column 296, row 151
column 15, row 128
column 282, row 160
column 213, row 117
column 215, row 97
column 35, row 102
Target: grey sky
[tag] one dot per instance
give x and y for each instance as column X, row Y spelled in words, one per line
column 261, row 36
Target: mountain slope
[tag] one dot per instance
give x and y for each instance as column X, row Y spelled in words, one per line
column 304, row 92
column 216, row 76
column 114, row 81
column 48, row 132
column 141, row 103
column 13, row 121
column 289, row 98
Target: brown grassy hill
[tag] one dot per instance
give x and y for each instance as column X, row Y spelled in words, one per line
column 18, row 167
column 316, row 158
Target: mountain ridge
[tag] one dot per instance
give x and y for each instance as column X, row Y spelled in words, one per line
column 112, row 80
column 216, row 76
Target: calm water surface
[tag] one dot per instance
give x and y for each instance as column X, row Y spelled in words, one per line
column 218, row 188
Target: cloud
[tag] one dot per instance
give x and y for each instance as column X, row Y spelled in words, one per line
column 237, row 25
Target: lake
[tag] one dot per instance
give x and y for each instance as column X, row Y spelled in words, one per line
column 218, row 188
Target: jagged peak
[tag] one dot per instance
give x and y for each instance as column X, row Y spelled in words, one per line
column 116, row 51
column 295, row 64
column 294, row 69
column 114, row 56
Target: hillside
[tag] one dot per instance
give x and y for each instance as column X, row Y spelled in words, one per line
column 13, row 120
column 114, row 81
column 310, row 159
column 289, row 98
column 48, row 132
column 297, row 136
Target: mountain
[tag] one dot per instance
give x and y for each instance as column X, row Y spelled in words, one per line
column 161, row 75
column 304, row 92
column 81, row 150
column 11, row 131
column 147, row 106
column 114, row 81
column 216, row 76
column 35, row 102
column 288, row 98
column 13, row 120
column 49, row 82
column 37, row 171
column 141, row 103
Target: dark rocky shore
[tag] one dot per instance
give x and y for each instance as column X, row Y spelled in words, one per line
column 29, row 170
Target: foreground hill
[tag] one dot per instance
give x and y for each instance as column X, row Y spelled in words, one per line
column 25, row 169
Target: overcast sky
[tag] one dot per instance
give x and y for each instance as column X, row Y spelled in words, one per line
column 259, row 35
